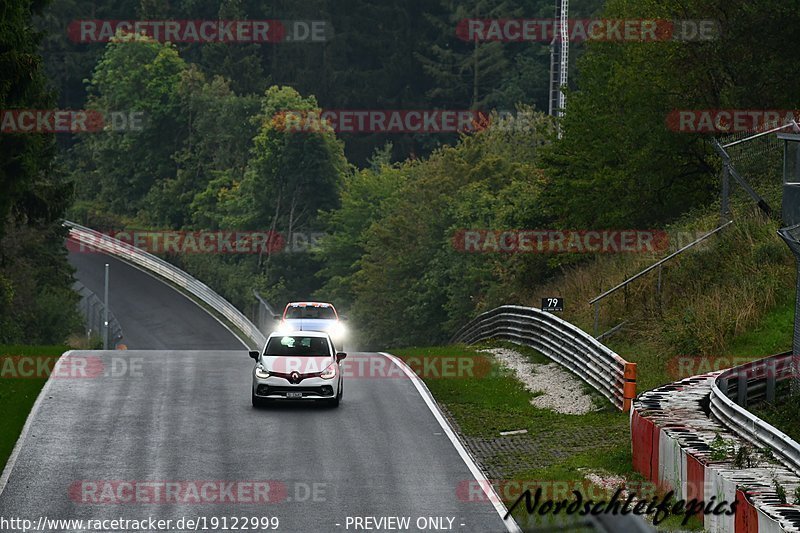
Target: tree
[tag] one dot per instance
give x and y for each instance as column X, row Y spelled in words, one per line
column 466, row 73
column 409, row 263
column 219, row 133
column 289, row 178
column 138, row 76
column 365, row 196
column 36, row 303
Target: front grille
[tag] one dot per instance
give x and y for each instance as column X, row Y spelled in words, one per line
column 268, row 390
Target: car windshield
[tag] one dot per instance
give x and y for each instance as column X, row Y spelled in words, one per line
column 297, row 346
column 310, row 312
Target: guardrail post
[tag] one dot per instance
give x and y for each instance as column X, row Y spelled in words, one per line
column 658, row 289
column 723, row 385
column 771, row 372
column 741, row 388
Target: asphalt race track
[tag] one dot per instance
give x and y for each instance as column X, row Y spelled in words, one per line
column 175, row 410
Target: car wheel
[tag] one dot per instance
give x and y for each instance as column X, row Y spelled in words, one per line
column 334, row 402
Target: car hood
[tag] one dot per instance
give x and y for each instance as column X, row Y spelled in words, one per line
column 286, row 364
column 310, row 324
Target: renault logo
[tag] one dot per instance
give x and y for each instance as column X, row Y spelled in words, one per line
column 295, row 377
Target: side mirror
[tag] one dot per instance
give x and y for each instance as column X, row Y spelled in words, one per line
column 277, row 317
column 343, row 317
column 254, row 354
column 340, row 356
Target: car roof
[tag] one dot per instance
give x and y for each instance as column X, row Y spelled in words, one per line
column 309, row 304
column 299, row 333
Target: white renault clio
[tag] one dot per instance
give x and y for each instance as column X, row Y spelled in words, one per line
column 298, row 365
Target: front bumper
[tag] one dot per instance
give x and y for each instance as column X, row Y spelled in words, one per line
column 309, row 389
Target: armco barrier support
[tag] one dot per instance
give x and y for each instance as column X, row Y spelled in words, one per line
column 671, row 437
column 94, row 240
column 565, row 343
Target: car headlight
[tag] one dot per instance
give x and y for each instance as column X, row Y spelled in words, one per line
column 261, row 372
column 338, row 330
column 283, row 328
column 330, row 372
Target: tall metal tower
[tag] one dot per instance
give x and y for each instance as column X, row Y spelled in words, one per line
column 559, row 59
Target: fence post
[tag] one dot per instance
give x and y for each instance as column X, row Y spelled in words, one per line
column 596, row 318
column 723, row 210
column 105, row 311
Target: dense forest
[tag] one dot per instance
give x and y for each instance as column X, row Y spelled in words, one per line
column 213, row 154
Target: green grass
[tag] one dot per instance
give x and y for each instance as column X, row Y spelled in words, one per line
column 488, row 404
column 783, row 414
column 772, row 335
column 17, row 395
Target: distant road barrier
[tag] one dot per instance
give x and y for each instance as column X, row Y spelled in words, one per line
column 565, row 343
column 92, row 309
column 95, row 240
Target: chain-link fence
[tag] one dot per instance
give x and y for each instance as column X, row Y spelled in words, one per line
column 791, row 236
column 92, row 309
column 758, row 155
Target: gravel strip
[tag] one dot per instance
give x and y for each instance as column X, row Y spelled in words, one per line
column 560, row 390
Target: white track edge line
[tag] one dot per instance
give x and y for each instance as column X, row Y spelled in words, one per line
column 12, row 459
column 488, row 489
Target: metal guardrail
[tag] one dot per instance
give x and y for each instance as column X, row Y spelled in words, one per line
column 755, row 380
column 565, row 343
column 264, row 315
column 94, row 240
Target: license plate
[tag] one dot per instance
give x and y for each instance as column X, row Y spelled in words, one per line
column 294, row 395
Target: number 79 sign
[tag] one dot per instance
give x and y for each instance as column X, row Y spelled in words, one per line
column 552, row 305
